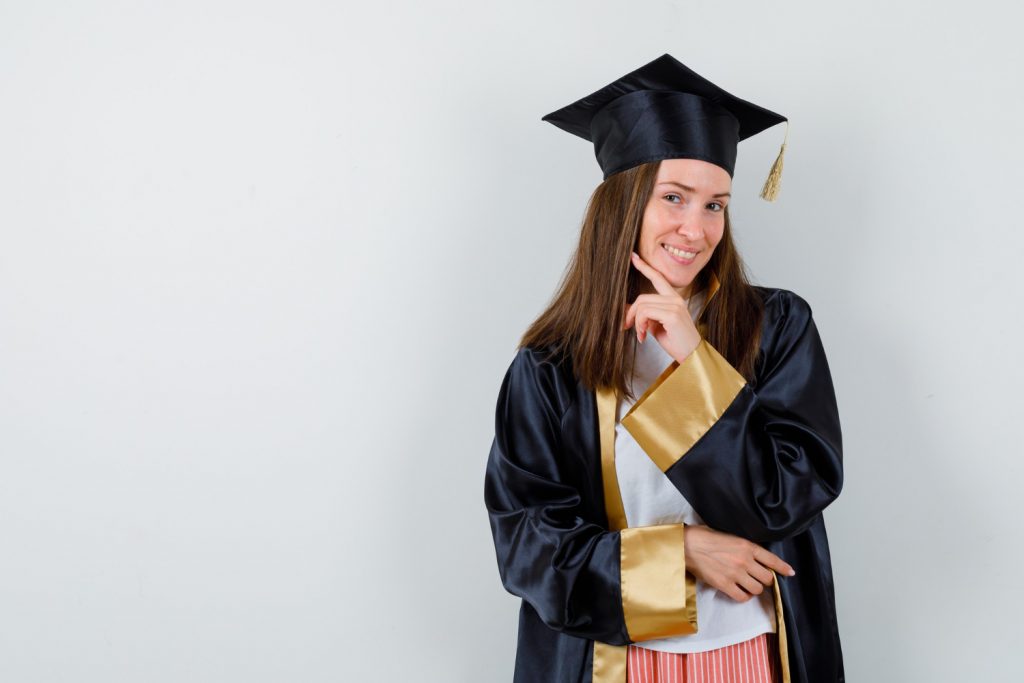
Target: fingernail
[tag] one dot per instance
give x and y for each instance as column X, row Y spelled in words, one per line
column 792, row 572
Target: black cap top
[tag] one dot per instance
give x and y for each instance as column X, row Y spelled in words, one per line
column 663, row 110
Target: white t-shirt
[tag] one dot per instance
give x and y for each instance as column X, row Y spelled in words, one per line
column 649, row 498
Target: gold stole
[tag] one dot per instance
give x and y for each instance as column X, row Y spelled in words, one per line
column 609, row 662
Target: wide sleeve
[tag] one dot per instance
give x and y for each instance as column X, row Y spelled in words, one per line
column 759, row 463
column 581, row 578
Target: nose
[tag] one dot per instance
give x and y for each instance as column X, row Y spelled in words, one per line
column 691, row 227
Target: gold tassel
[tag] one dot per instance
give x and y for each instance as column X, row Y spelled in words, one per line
column 771, row 184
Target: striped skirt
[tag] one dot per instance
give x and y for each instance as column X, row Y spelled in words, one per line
column 752, row 661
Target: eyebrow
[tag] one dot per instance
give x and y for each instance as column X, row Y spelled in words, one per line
column 690, row 189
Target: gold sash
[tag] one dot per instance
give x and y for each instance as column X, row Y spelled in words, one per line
column 609, row 661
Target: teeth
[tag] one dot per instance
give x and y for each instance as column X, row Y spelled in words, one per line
column 681, row 254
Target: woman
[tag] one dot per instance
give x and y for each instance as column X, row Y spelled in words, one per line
column 667, row 435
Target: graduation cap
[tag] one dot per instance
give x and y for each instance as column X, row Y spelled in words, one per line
column 664, row 110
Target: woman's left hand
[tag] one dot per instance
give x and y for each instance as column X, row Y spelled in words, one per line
column 666, row 315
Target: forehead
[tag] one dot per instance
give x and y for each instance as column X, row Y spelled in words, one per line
column 696, row 173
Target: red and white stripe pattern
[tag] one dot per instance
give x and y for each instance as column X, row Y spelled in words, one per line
column 752, row 661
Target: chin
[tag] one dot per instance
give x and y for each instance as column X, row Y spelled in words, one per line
column 681, row 283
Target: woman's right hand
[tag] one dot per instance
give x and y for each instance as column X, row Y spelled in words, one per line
column 737, row 567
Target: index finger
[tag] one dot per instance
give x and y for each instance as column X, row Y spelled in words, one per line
column 651, row 273
column 773, row 561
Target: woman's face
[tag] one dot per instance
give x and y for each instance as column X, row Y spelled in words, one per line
column 686, row 212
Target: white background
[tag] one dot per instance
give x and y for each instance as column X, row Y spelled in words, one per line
column 263, row 266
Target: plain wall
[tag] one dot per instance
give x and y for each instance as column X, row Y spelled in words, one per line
column 263, row 267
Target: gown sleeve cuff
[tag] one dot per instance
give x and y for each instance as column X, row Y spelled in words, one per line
column 659, row 597
column 682, row 404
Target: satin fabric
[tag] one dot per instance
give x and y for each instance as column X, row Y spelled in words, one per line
column 648, row 125
column 764, row 470
column 662, row 110
column 688, row 401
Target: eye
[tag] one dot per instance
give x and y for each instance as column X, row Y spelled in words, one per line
column 718, row 204
column 673, row 195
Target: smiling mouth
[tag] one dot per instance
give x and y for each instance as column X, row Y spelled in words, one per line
column 679, row 253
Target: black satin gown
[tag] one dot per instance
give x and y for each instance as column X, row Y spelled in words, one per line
column 764, row 470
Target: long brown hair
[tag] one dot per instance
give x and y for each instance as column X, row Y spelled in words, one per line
column 584, row 318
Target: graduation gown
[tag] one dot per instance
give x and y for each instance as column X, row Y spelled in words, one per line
column 760, row 460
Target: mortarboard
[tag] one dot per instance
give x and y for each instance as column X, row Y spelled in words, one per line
column 664, row 110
